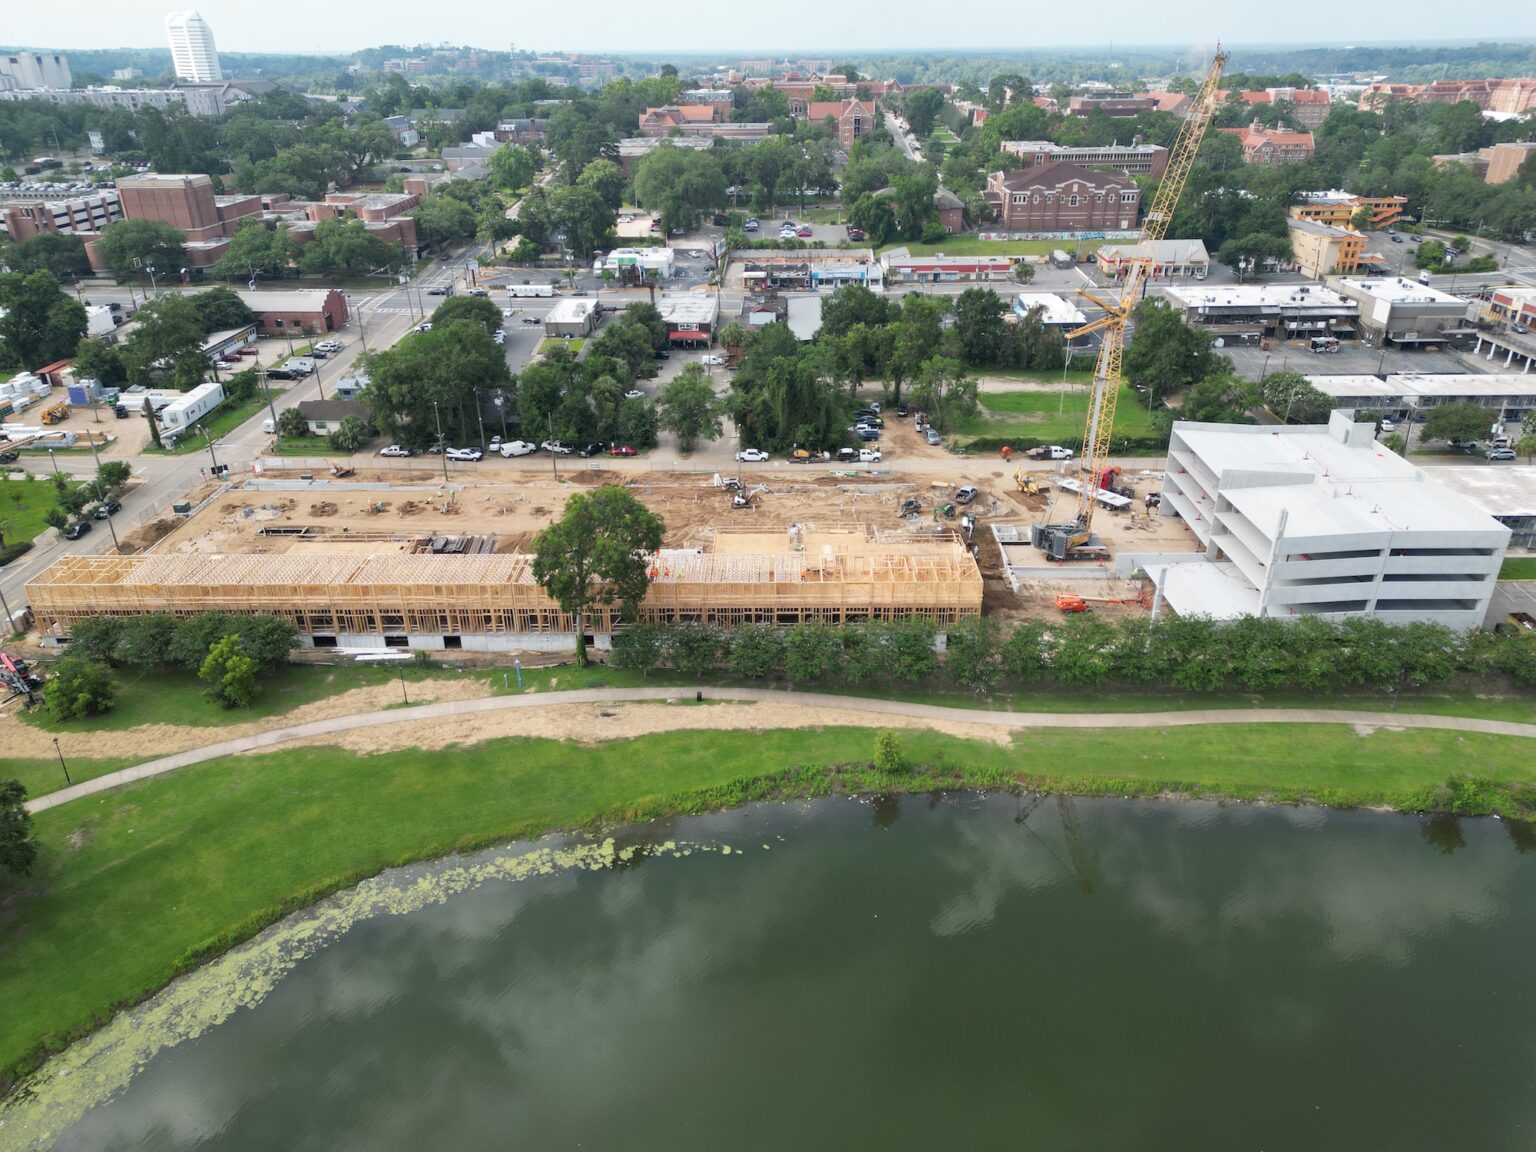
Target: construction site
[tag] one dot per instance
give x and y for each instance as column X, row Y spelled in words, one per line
column 392, row 559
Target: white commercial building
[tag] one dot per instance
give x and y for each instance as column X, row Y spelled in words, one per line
column 571, row 318
column 193, row 53
column 1321, row 520
column 1510, row 395
column 1287, row 311
column 659, row 261
column 1055, row 312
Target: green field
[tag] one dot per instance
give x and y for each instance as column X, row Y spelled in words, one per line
column 971, row 246
column 308, row 446
column 573, row 346
column 137, row 887
column 1051, row 416
column 23, row 503
column 1518, row 568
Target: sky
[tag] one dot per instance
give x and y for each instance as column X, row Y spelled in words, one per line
column 810, row 26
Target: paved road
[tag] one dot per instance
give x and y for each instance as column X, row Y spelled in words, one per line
column 447, row 709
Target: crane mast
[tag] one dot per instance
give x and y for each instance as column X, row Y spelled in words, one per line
column 1074, row 539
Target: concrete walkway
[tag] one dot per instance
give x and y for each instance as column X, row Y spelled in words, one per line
column 447, row 709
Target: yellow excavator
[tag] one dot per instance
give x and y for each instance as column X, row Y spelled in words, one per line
column 1074, row 539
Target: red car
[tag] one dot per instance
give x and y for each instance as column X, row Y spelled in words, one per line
column 246, row 352
column 622, row 450
column 804, row 232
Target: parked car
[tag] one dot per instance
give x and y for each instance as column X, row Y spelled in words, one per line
column 965, row 494
column 426, row 327
column 634, row 394
column 559, row 448
column 9, row 457
column 855, row 233
column 247, row 352
column 750, row 226
column 868, row 434
column 330, row 347
column 300, row 366
column 517, row 448
column 752, row 456
column 869, row 455
column 714, row 361
column 500, row 337
column 1520, row 328
column 901, row 410
column 106, row 508
column 933, row 437
column 622, row 450
column 848, row 455
column 662, row 354
column 804, row 232
column 280, row 373
column 1500, row 454
column 533, row 319
column 76, row 529
column 589, row 450
column 470, row 454
column 1395, row 238
column 396, row 450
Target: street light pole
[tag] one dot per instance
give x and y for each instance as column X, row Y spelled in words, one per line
column 211, row 456
column 403, row 696
column 53, row 461
column 62, row 765
column 554, row 457
column 480, row 416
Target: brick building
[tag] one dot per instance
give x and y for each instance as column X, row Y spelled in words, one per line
column 300, row 311
column 1504, row 160
column 1309, row 106
column 1272, row 145
column 21, row 219
column 1063, row 197
column 854, row 119
column 1142, row 159
column 187, row 202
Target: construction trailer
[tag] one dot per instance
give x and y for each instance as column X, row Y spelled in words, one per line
column 492, row 603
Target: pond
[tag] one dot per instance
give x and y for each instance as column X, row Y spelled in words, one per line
column 930, row 972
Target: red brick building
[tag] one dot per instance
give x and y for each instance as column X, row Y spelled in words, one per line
column 855, row 119
column 1064, row 198
column 1272, row 145
column 300, row 311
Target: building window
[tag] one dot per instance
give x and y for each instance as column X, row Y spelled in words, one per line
column 1072, row 201
column 1127, row 197
column 1020, row 198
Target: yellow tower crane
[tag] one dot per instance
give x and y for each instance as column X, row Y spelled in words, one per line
column 1073, row 539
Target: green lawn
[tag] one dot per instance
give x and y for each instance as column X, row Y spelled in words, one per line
column 307, row 446
column 1052, row 415
column 23, row 503
column 573, row 346
column 1518, row 568
column 225, row 418
column 138, row 886
column 972, row 246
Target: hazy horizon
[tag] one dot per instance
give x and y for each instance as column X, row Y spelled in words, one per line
column 856, row 27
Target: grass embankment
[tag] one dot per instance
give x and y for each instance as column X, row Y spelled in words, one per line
column 573, row 345
column 1518, row 568
column 1051, row 416
column 312, row 446
column 139, row 885
column 23, row 504
column 224, row 419
column 975, row 246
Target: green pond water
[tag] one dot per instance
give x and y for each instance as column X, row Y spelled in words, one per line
column 953, row 972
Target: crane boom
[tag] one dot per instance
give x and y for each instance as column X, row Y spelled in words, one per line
column 1072, row 540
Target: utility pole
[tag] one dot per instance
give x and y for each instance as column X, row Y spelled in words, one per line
column 209, row 438
column 480, row 416
column 267, row 392
column 62, row 765
column 554, row 457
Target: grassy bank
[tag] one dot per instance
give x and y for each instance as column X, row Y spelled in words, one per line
column 24, row 503
column 1053, row 415
column 224, row 419
column 1518, row 568
column 147, row 882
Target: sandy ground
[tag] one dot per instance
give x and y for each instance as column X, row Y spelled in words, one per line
column 153, row 740
column 596, row 723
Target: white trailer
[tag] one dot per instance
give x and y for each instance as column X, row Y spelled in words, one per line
column 187, row 410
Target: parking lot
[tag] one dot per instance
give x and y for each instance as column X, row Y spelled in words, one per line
column 1349, row 360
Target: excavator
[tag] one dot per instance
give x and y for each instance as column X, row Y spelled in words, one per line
column 1073, row 539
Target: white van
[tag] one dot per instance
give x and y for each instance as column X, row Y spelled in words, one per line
column 268, row 426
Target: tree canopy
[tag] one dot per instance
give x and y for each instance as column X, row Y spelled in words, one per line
column 598, row 552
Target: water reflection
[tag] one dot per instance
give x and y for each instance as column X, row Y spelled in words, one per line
column 942, row 971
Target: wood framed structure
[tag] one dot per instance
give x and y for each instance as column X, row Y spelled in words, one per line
column 491, row 602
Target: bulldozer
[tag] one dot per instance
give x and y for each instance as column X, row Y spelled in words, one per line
column 1028, row 485
column 910, row 507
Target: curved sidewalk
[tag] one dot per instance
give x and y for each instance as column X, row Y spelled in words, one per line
column 446, row 709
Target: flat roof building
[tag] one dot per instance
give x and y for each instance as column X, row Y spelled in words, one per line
column 295, row 311
column 1512, row 394
column 571, row 317
column 1406, row 312
column 1170, row 259
column 1291, row 311
column 690, row 316
column 1322, row 520
column 1506, row 494
column 1320, row 250
column 1141, row 159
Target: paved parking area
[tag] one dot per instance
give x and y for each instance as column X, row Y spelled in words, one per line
column 1510, row 596
column 1349, row 360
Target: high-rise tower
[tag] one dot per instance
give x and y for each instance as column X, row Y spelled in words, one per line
column 192, row 48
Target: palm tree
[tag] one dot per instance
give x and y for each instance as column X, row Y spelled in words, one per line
column 1527, row 446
